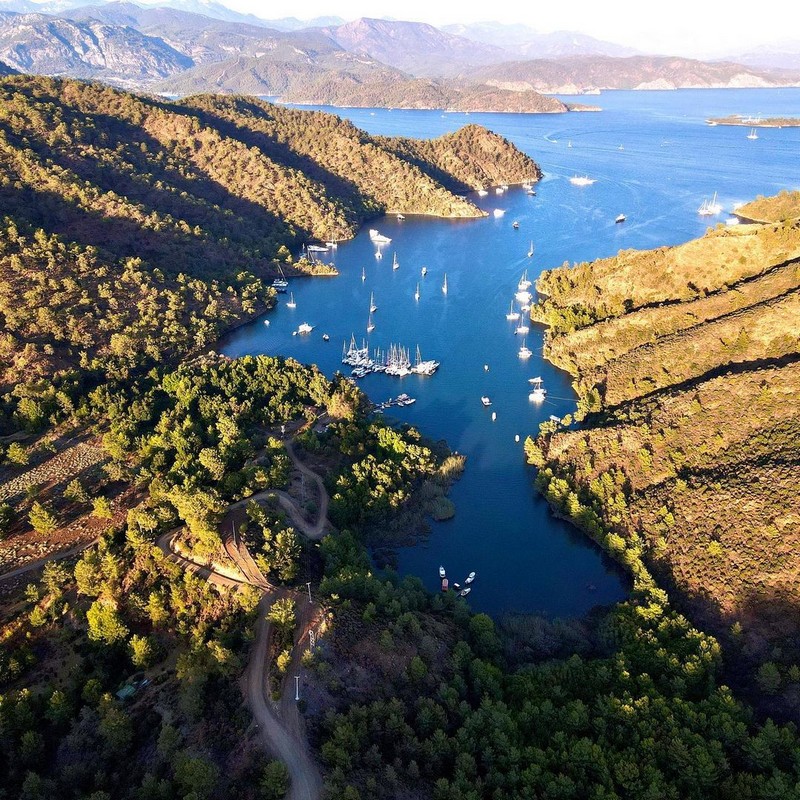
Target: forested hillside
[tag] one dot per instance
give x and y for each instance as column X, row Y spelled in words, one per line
column 687, row 360
column 138, row 229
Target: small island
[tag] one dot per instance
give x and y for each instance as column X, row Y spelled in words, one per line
column 755, row 122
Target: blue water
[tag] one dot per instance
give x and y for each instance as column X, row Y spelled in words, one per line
column 655, row 160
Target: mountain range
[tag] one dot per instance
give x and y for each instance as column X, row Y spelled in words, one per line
column 172, row 49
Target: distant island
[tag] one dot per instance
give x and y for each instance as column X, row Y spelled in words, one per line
column 756, row 122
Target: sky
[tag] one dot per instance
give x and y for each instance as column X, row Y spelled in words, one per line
column 676, row 27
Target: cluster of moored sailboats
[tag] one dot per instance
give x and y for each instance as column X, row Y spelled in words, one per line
column 395, row 361
column 456, row 586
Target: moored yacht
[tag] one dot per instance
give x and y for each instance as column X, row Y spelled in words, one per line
column 378, row 237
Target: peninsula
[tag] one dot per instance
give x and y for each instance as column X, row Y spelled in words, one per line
column 685, row 361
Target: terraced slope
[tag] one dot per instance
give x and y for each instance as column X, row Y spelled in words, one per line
column 687, row 364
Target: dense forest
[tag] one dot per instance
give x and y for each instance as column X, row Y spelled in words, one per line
column 686, row 360
column 136, row 229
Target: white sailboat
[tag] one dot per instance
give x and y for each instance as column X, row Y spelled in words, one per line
column 378, row 255
column 291, row 303
column 522, row 328
column 372, row 306
column 709, row 209
column 752, row 134
column 538, row 392
column 444, row 285
column 582, row 180
column 524, row 283
column 363, row 274
column 525, row 351
column 378, row 237
column 370, row 323
column 512, row 315
column 416, row 293
column 530, row 250
column 395, row 263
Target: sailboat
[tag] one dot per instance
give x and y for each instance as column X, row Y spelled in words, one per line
column 708, row 209
column 372, row 306
column 512, row 315
column 524, row 283
column 752, row 134
column 424, row 271
column 395, row 263
column 522, row 328
column 363, row 274
column 291, row 303
column 538, row 392
column 525, row 351
column 370, row 323
column 530, row 250
column 444, row 285
column 416, row 294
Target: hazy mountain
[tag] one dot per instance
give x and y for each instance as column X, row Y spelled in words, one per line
column 41, row 44
column 202, row 39
column 6, row 70
column 779, row 55
column 414, row 47
column 339, row 78
column 294, row 24
column 571, row 75
column 523, row 41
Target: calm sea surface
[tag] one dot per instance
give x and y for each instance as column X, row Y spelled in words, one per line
column 653, row 159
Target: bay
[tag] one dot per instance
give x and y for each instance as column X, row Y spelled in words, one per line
column 653, row 159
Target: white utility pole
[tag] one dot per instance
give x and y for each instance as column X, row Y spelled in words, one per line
column 296, row 687
column 308, row 584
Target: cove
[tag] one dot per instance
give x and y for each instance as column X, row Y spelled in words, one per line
column 655, row 160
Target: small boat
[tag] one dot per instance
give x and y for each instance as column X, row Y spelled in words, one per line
column 523, row 296
column 538, row 392
column 569, row 144
column 280, row 284
column 620, row 218
column 317, row 248
column 524, row 282
column 444, row 584
column 378, row 255
column 525, row 351
column 486, row 401
column 530, row 250
column 291, row 303
column 470, row 578
column 424, row 271
column 498, row 212
column 395, row 263
column 512, row 315
column 515, row 225
column 709, row 209
column 444, row 285
column 378, row 237
column 332, row 245
column 304, row 327
column 531, row 192
column 494, row 416
column 752, row 134
column 325, row 337
column 482, row 192
column 370, row 324
column 456, row 586
column 363, row 274
column 485, row 367
column 465, row 592
column 416, row 294
column 582, row 180
column 522, row 328
column 372, row 307
column 499, row 190
column 266, row 322
column 554, row 418
column 400, row 217
column 442, row 572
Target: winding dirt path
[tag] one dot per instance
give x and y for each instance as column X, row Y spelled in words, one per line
column 282, row 734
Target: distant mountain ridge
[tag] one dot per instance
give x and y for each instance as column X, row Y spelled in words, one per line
column 521, row 41
column 565, row 76
column 414, row 47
